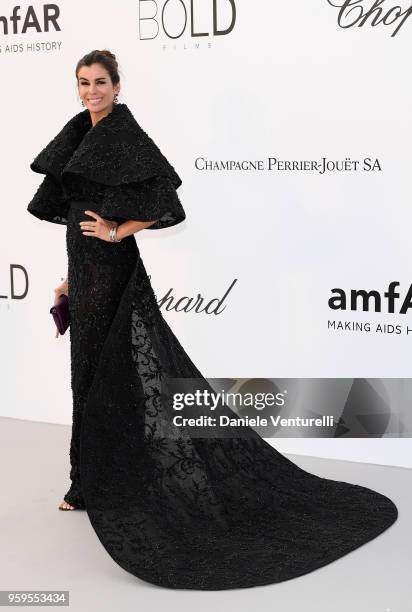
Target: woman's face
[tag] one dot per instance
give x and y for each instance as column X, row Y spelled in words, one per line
column 96, row 88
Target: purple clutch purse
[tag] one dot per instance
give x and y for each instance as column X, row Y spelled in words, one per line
column 61, row 315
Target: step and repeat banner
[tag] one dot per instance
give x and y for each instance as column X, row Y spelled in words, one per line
column 288, row 123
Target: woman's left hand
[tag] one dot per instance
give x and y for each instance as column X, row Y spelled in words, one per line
column 99, row 228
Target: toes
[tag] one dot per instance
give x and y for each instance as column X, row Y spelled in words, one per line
column 66, row 506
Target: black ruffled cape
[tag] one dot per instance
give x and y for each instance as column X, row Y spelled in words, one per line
column 116, row 163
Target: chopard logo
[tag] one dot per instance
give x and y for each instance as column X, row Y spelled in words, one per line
column 175, row 18
column 30, row 21
column 360, row 13
column 197, row 304
column 360, row 299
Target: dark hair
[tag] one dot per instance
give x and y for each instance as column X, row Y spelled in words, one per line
column 104, row 57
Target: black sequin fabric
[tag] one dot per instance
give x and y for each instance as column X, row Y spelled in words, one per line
column 179, row 511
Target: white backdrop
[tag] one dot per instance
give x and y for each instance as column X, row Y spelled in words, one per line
column 287, row 82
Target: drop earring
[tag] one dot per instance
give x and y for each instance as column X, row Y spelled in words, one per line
column 115, row 99
column 81, row 100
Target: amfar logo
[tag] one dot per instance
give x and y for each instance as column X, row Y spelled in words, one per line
column 360, row 299
column 31, row 21
column 174, row 18
column 360, row 13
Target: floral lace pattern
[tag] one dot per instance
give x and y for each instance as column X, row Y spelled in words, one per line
column 175, row 510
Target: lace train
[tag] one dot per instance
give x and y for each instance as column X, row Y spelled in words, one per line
column 175, row 510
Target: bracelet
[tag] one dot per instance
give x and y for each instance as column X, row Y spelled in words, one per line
column 113, row 235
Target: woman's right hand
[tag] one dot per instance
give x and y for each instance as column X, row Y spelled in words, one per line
column 61, row 289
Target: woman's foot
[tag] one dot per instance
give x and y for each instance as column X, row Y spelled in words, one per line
column 75, row 496
column 64, row 505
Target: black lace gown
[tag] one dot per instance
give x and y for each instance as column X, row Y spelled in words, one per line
column 176, row 510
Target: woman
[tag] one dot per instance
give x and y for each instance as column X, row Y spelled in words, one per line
column 170, row 506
